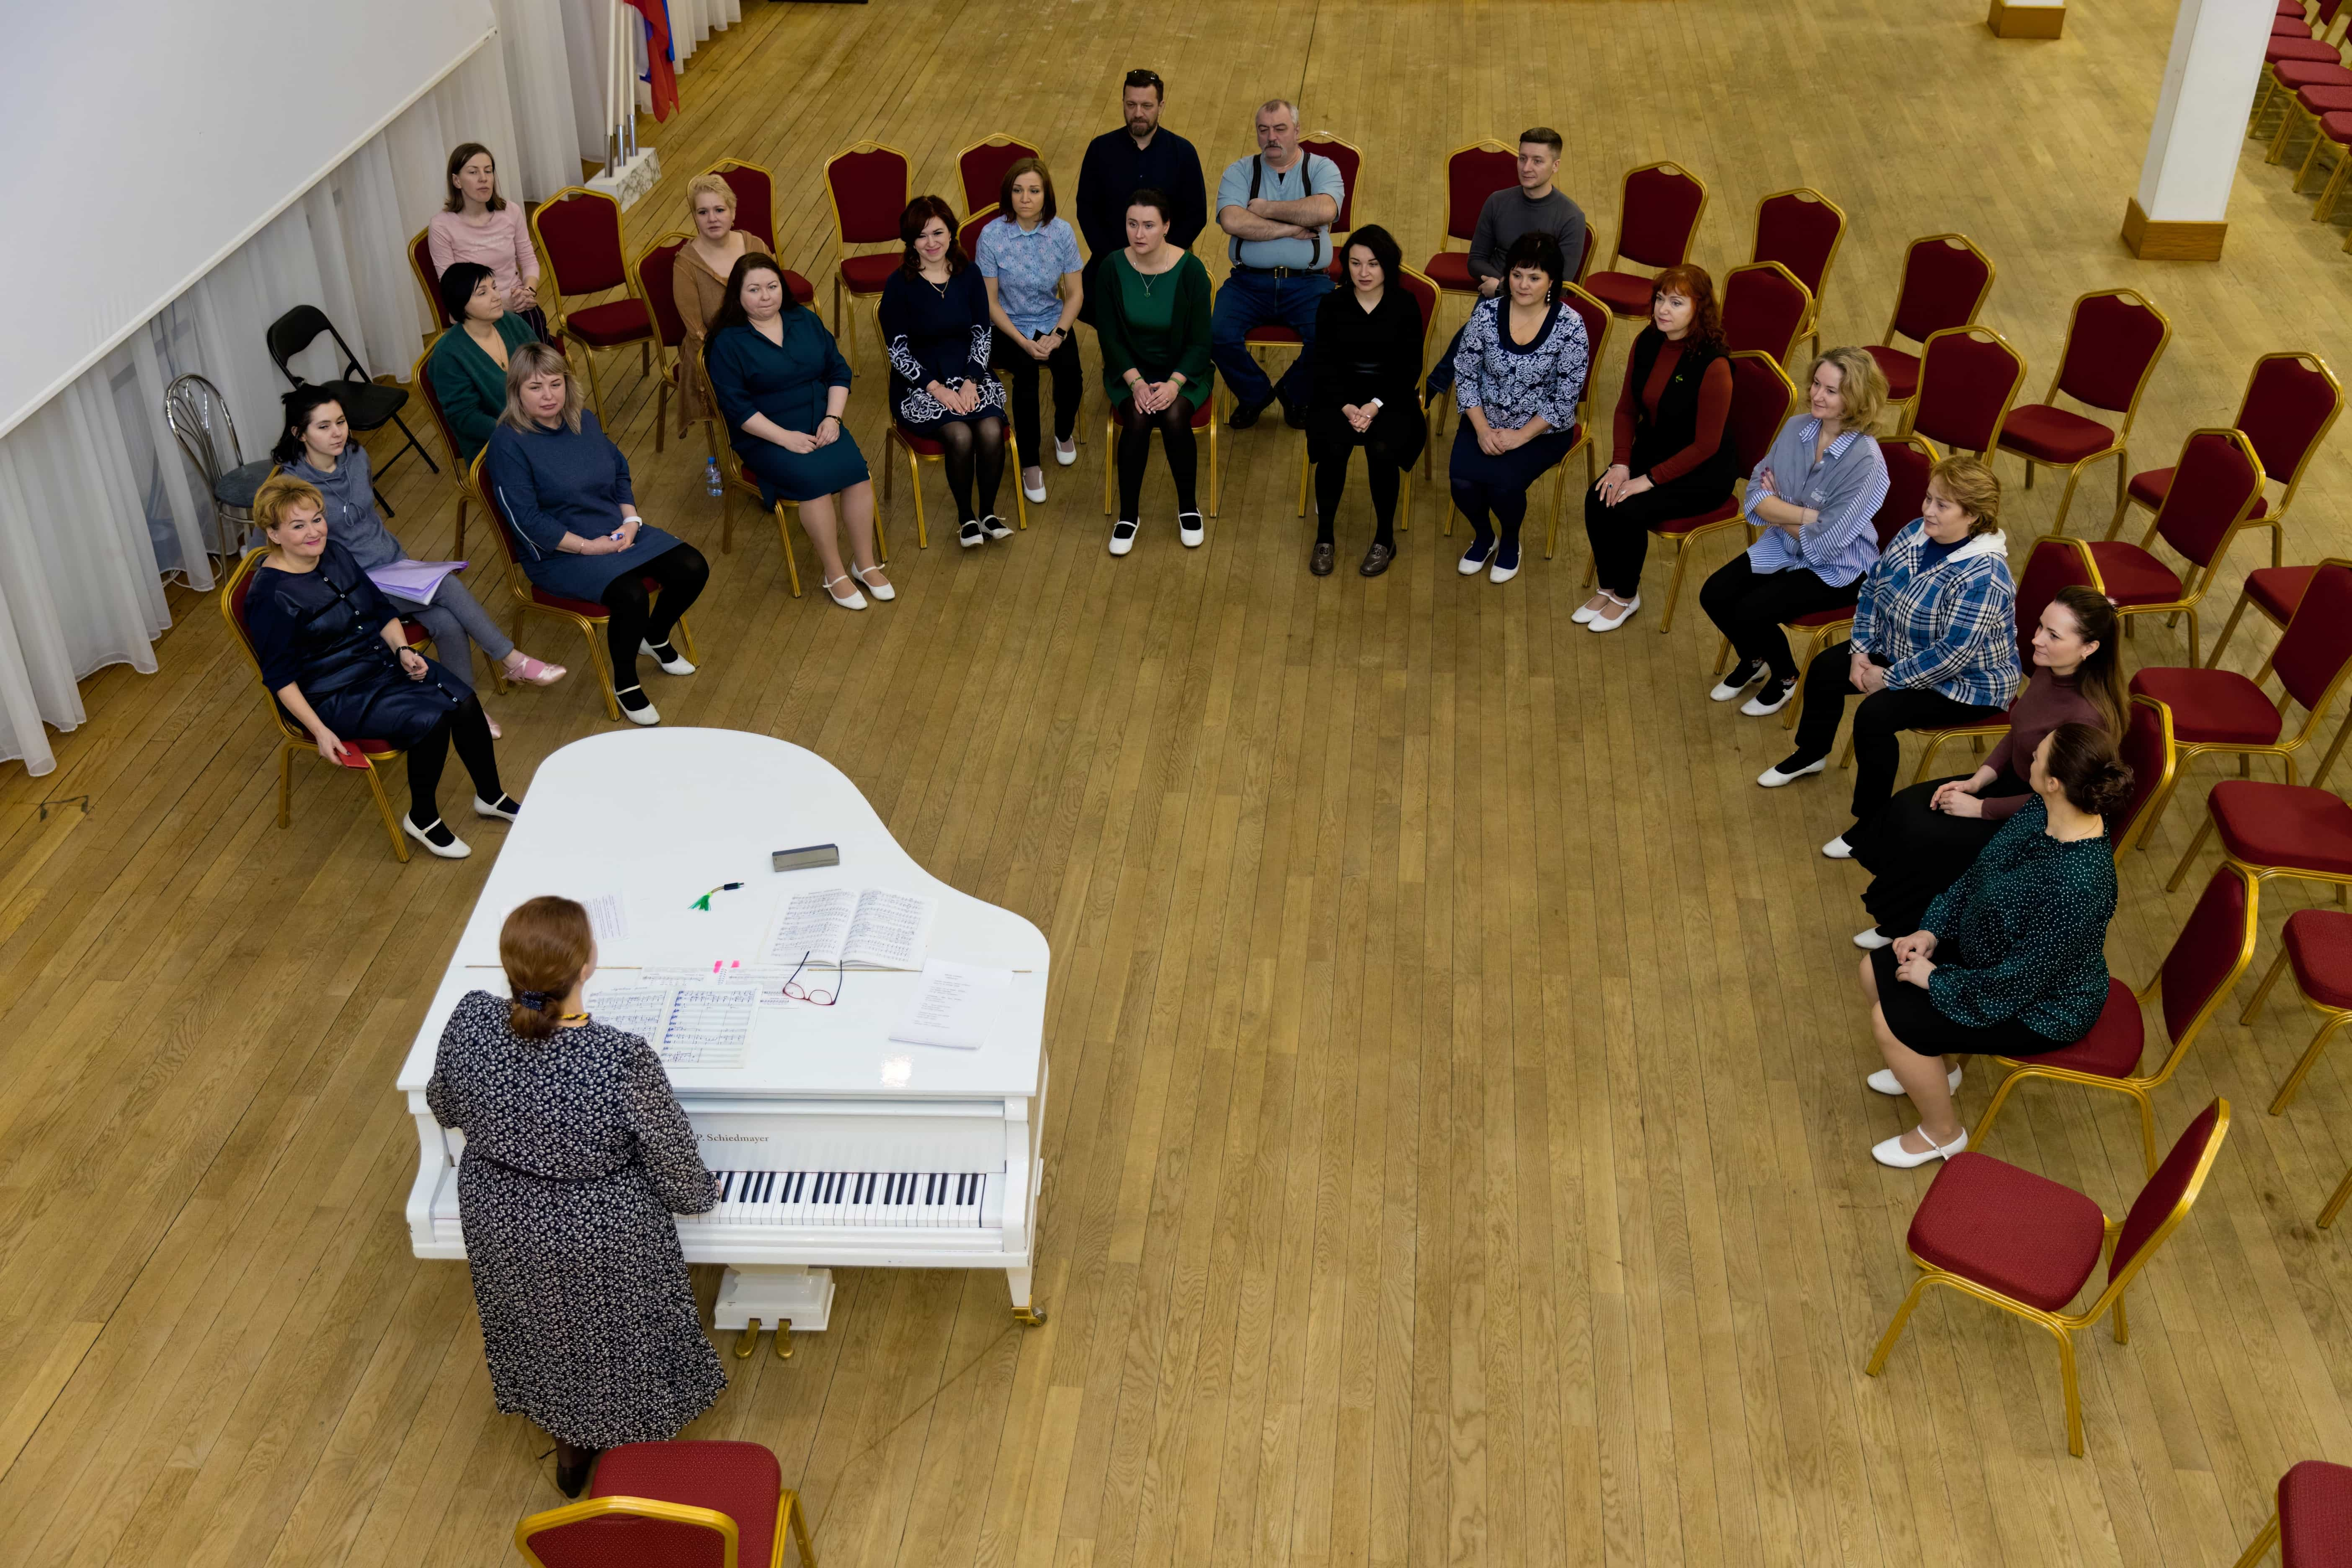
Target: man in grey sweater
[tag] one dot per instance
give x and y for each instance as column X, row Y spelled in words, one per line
column 1535, row 203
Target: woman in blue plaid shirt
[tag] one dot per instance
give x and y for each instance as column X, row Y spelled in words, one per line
column 1934, row 643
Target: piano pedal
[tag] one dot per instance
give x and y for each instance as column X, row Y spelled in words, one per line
column 1029, row 1317
column 785, row 1339
column 746, row 1340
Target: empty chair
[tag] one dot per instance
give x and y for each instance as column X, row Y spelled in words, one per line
column 868, row 187
column 1765, row 308
column 1351, row 161
column 579, row 231
column 1945, row 281
column 2317, row 945
column 1800, row 229
column 2113, row 342
column 693, row 1504
column 2311, row 1526
column 367, row 404
column 199, row 417
column 1657, row 214
column 1472, row 174
column 2291, row 403
column 2215, row 485
column 980, row 168
column 2028, row 1245
column 656, row 271
column 1967, row 378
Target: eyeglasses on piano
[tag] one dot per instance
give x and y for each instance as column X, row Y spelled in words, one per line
column 816, row 998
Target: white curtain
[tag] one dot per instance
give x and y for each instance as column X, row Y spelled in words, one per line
column 97, row 506
column 691, row 23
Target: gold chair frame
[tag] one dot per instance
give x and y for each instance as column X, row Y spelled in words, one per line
column 461, row 477
column 2196, row 584
column 2119, row 447
column 841, row 247
column 791, row 1520
column 1405, row 490
column 1895, row 312
column 560, row 319
column 1811, row 330
column 1911, row 409
column 2331, row 1018
column 2063, row 1325
column 2275, row 521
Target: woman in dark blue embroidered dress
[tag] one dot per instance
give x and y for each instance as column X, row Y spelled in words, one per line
column 934, row 322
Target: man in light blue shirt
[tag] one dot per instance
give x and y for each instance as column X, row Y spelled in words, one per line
column 1278, row 208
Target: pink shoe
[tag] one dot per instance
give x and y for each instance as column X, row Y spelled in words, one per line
column 536, row 673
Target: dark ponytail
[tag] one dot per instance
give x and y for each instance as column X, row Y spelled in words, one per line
column 2083, row 759
column 543, row 946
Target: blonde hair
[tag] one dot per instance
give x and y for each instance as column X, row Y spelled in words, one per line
column 543, row 946
column 1967, row 483
column 702, row 184
column 1861, row 386
column 539, row 359
column 279, row 494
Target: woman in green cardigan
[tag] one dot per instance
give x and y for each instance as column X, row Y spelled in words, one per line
column 1153, row 324
column 468, row 366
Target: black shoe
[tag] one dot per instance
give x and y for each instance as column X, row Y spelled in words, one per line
column 572, row 1468
column 1244, row 414
column 1319, row 563
column 1294, row 417
column 1377, row 559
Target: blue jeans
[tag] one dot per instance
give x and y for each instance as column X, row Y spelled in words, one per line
column 1251, row 299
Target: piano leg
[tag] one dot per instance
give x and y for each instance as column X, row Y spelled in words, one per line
column 1023, row 1311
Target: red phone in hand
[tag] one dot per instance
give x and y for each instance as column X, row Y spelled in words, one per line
column 351, row 757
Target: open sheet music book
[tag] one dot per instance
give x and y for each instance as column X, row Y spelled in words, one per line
column 690, row 1020
column 875, row 929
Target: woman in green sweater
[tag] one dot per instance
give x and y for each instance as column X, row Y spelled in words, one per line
column 2011, row 960
column 1153, row 324
column 468, row 367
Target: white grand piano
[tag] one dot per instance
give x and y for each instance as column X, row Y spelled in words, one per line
column 832, row 1145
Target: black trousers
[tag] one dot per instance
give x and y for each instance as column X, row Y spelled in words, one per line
column 1750, row 607
column 1877, row 720
column 470, row 732
column 1620, row 534
column 1914, row 852
column 1069, row 382
column 633, row 616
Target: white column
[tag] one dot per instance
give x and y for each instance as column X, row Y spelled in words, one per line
column 2176, row 215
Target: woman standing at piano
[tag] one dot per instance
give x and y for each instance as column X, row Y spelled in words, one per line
column 576, row 1155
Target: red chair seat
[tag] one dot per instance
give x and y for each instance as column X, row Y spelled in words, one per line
column 1627, row 293
column 1450, row 271
column 615, row 321
column 2289, row 9
column 2337, row 127
column 2151, row 487
column 2295, row 74
column 415, row 633
column 2133, row 576
column 1821, row 618
column 2291, row 826
column 2112, row 1048
column 867, row 274
column 2314, row 1507
column 1901, row 370
column 1675, row 525
column 2023, row 1235
column 2279, row 589
column 2211, row 707
column 800, row 288
column 1273, row 333
column 2324, row 98
column 2054, row 435
column 741, row 1480
column 2285, row 27
column 922, row 445
column 2319, row 945
column 2303, row 48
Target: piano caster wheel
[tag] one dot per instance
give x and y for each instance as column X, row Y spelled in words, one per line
column 1031, row 1317
column 746, row 1340
column 784, row 1340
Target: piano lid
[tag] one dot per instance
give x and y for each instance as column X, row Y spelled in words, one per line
column 657, row 817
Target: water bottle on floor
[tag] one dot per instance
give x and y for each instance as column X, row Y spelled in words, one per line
column 710, row 475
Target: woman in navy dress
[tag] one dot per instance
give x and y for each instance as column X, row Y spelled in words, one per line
column 935, row 325
column 332, row 652
column 780, row 384
column 563, row 489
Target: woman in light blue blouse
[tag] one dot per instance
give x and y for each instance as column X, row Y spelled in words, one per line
column 1517, row 376
column 1029, row 261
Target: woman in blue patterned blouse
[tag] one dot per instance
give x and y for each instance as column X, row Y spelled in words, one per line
column 2011, row 960
column 1028, row 261
column 936, row 327
column 1517, row 376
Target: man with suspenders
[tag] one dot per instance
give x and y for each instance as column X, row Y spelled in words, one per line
column 1278, row 208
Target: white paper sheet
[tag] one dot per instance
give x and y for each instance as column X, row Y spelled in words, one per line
column 954, row 1005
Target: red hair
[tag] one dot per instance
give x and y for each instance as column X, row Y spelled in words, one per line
column 1692, row 284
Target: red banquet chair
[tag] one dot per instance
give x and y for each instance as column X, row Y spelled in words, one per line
column 920, row 449
column 755, row 213
column 655, row 270
column 980, row 168
column 2052, row 564
column 2284, row 52
column 586, row 615
column 2113, row 342
column 868, row 187
column 578, row 232
column 2291, row 403
column 2311, row 1526
column 1351, row 161
column 1945, row 281
column 2276, row 830
column 1657, row 214
column 967, row 234
column 1424, row 295
column 2317, row 945
column 2216, row 484
column 1800, row 228
column 428, row 277
column 2028, row 1245
column 1967, row 378
column 460, row 473
column 2147, row 750
column 674, row 1505
column 2202, row 967
column 1765, row 308
column 1596, row 318
column 1472, row 174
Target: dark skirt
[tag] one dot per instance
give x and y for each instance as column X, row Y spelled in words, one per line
column 1515, row 470
column 803, row 476
column 1399, row 433
column 1914, row 852
column 1912, row 1017
column 381, row 703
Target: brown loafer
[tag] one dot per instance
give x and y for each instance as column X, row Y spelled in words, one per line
column 1377, row 559
column 1320, row 561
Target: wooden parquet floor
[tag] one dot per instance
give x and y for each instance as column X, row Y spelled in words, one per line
column 1457, row 1152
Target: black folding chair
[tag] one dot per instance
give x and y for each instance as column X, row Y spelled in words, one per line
column 367, row 405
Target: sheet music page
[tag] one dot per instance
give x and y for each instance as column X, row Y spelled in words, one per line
column 709, row 1026
column 632, row 1008
column 955, row 1004
column 891, row 930
column 608, row 916
column 817, row 924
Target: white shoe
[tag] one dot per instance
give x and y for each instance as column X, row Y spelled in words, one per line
column 1190, row 530
column 1744, row 674
column 1584, row 614
column 1869, row 941
column 675, row 663
column 1064, row 453
column 454, row 849
column 1610, row 623
column 971, row 535
column 1498, row 573
column 506, row 808
column 1884, row 1081
column 856, row 601
column 645, row 713
column 1770, row 698
column 1838, row 848
column 1473, row 563
column 1892, row 1152
column 1773, row 778
column 996, row 527
column 1122, row 537
column 1035, row 492
column 882, row 591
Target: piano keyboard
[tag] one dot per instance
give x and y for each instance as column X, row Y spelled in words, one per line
column 956, row 1200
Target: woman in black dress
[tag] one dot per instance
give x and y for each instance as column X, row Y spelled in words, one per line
column 1367, row 379
column 936, row 326
column 576, row 1155
column 332, row 651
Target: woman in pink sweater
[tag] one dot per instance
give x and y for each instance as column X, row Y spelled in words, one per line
column 1929, row 833
column 480, row 226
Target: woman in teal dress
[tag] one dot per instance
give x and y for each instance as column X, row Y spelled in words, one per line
column 468, row 363
column 780, row 384
column 1153, row 324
